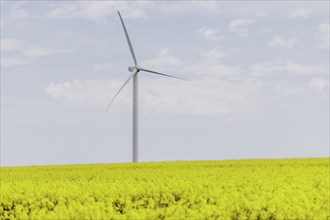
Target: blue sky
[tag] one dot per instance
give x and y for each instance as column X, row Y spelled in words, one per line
column 259, row 80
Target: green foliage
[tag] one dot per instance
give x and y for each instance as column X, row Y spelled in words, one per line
column 231, row 189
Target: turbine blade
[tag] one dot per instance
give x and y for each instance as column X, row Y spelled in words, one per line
column 130, row 77
column 151, row 71
column 128, row 40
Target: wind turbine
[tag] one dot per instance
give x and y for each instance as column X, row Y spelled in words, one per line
column 135, row 70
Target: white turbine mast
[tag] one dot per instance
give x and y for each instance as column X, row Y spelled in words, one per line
column 135, row 70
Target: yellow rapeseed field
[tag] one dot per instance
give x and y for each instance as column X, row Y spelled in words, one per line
column 229, row 189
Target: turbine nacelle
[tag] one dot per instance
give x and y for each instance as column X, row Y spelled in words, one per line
column 133, row 68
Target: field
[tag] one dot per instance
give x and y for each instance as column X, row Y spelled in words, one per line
column 229, row 189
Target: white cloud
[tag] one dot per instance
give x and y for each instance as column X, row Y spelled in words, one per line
column 265, row 30
column 37, row 52
column 210, row 33
column 102, row 66
column 8, row 62
column 17, row 15
column 181, row 7
column 319, row 84
column 135, row 14
column 214, row 89
column 323, row 35
column 40, row 51
column 24, row 55
column 285, row 90
column 212, row 68
column 20, row 13
column 261, row 69
column 85, row 92
column 9, row 44
column 164, row 58
column 239, row 26
column 282, row 42
column 214, row 54
column 276, row 67
column 206, row 97
column 210, row 65
column 309, row 69
column 97, row 11
column 300, row 13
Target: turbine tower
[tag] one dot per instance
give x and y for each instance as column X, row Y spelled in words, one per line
column 134, row 74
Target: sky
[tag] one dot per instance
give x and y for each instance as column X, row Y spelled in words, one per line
column 258, row 80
